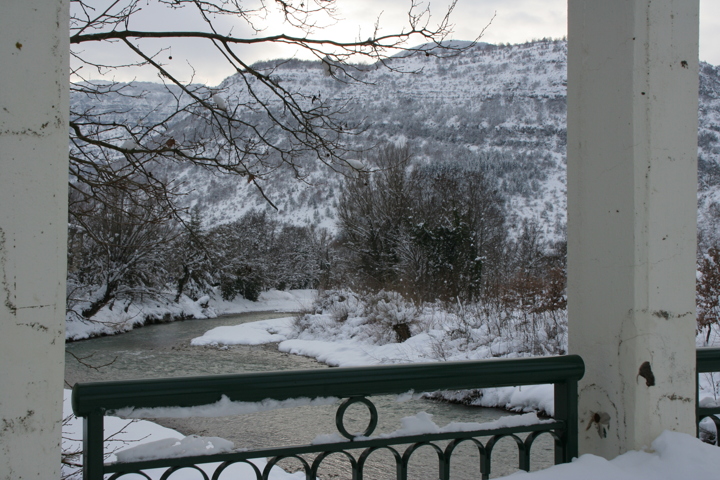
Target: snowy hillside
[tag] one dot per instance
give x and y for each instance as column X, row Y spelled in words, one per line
column 503, row 107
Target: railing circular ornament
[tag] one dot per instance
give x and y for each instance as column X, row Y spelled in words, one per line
column 339, row 422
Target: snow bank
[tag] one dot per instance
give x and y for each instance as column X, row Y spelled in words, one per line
column 673, row 456
column 528, row 398
column 121, row 434
column 352, row 342
column 124, row 315
column 121, row 316
column 270, row 301
column 251, row 333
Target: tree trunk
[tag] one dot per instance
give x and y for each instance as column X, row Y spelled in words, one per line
column 101, row 302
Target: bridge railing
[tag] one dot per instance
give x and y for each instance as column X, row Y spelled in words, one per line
column 93, row 400
column 708, row 360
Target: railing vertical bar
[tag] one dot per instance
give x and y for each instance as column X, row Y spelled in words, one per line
column 485, row 455
column 93, row 445
column 356, row 475
column 524, row 462
column 566, row 405
column 444, row 467
column 402, row 471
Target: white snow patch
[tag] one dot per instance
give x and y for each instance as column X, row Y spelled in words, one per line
column 223, row 408
column 407, row 396
column 527, row 398
column 271, row 300
column 220, row 102
column 176, row 448
column 421, row 424
column 355, row 164
column 251, row 333
column 672, row 456
column 328, row 438
column 130, row 144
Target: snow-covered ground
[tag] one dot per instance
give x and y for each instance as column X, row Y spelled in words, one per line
column 269, row 301
column 124, row 315
column 671, row 456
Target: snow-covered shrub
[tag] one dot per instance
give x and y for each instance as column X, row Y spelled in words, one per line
column 392, row 313
column 339, row 304
column 492, row 329
column 334, row 305
column 341, row 310
column 302, row 321
column 467, row 319
column 377, row 319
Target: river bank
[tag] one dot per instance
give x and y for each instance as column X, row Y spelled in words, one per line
column 122, row 316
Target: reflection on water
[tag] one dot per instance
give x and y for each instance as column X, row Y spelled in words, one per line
column 158, row 351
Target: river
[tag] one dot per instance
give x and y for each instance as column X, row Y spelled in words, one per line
column 164, row 350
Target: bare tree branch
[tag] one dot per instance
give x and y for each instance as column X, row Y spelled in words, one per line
column 126, row 207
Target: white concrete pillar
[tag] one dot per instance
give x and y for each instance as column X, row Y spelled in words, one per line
column 632, row 151
column 34, row 53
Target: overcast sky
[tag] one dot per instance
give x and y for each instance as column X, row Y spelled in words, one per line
column 515, row 21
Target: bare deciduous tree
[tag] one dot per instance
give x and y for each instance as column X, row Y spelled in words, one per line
column 119, row 245
column 267, row 128
column 254, row 131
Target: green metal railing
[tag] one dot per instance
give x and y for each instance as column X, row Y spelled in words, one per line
column 708, row 360
column 92, row 400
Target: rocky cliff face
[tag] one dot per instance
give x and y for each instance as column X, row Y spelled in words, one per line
column 503, row 107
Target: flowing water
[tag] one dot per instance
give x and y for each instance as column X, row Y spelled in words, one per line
column 164, row 350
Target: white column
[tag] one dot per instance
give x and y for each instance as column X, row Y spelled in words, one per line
column 632, row 151
column 34, row 66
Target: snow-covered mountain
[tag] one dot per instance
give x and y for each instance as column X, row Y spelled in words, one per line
column 502, row 106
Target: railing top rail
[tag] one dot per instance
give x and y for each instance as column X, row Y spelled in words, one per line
column 708, row 359
column 334, row 382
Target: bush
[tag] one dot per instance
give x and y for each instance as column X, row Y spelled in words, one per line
column 392, row 313
column 246, row 283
